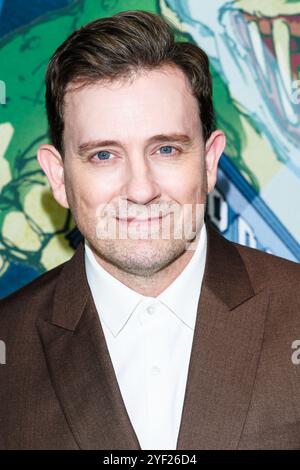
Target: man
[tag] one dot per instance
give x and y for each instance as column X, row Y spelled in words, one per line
column 158, row 333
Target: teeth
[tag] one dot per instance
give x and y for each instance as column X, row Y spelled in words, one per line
column 281, row 39
column 258, row 45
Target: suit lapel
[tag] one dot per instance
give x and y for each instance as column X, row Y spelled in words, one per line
column 80, row 366
column 225, row 352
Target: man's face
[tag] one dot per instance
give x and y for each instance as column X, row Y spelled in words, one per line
column 155, row 161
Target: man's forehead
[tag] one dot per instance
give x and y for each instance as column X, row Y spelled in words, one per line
column 166, row 82
column 116, row 112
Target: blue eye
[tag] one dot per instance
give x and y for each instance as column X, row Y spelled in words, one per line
column 102, row 155
column 166, row 149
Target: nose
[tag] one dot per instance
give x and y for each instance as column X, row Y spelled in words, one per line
column 141, row 186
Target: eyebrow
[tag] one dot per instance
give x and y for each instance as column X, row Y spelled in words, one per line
column 175, row 137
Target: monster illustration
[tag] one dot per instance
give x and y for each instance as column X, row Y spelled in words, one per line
column 254, row 47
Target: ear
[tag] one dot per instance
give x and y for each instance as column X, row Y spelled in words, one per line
column 52, row 164
column 214, row 148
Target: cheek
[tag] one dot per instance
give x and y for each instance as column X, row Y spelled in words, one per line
column 186, row 185
column 198, row 181
column 88, row 193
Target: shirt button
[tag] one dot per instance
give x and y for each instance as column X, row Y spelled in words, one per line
column 151, row 309
column 155, row 370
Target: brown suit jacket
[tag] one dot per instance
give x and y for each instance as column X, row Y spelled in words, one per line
column 58, row 389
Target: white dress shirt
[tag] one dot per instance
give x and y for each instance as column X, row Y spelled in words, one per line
column 149, row 340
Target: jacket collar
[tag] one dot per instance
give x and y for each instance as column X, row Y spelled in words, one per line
column 225, row 274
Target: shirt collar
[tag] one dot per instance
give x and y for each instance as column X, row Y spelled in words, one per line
column 115, row 302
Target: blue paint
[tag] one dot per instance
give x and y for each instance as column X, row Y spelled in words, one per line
column 17, row 13
column 16, row 276
column 264, row 213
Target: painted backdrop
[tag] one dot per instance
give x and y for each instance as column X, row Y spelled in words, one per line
column 254, row 49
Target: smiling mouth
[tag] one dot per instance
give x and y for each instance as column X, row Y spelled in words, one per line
column 139, row 220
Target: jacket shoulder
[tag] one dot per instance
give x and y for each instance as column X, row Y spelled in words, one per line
column 265, row 269
column 28, row 300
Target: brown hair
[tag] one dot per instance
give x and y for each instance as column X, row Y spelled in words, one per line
column 114, row 48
